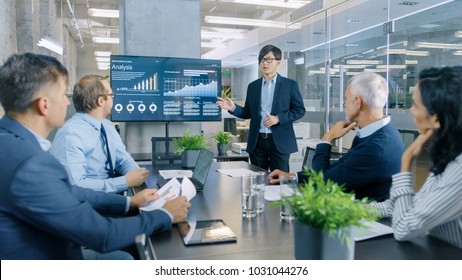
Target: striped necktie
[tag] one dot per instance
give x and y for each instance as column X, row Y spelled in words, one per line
column 109, row 158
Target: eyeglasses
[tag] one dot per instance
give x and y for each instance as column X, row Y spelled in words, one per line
column 113, row 95
column 268, row 59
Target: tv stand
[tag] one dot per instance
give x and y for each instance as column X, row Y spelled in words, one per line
column 168, row 156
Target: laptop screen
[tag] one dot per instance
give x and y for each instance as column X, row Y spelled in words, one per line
column 201, row 170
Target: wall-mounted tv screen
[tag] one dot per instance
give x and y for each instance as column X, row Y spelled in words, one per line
column 165, row 88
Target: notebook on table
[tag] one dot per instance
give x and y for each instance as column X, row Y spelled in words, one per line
column 200, row 171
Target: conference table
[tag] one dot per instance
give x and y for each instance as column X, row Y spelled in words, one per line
column 266, row 236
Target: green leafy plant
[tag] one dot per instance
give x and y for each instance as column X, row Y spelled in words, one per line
column 324, row 205
column 189, row 142
column 222, row 137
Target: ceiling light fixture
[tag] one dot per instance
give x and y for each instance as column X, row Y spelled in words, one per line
column 292, row 4
column 52, row 46
column 457, row 53
column 406, row 52
column 221, row 35
column 457, row 46
column 408, row 3
column 458, row 34
column 363, row 61
column 251, row 22
column 105, row 40
column 411, row 62
column 397, row 66
column 102, row 53
column 102, row 59
column 103, row 13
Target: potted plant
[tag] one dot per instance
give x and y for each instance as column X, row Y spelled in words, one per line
column 222, row 138
column 324, row 217
column 188, row 146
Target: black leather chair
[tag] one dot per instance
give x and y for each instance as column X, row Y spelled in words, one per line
column 143, row 245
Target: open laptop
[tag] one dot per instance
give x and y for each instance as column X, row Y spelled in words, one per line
column 200, row 171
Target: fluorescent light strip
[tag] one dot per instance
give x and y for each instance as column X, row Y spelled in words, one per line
column 221, row 35
column 103, row 13
column 438, row 46
column 364, row 61
column 105, row 40
column 457, row 53
column 102, row 53
column 350, row 66
column 406, row 52
column 458, row 34
column 400, row 66
column 102, row 59
column 292, row 4
column 251, row 22
column 411, row 62
column 45, row 43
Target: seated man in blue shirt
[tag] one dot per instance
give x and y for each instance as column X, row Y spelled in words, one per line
column 89, row 146
column 375, row 153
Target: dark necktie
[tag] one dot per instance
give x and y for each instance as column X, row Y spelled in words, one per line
column 109, row 159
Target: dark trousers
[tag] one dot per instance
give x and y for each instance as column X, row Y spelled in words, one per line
column 266, row 155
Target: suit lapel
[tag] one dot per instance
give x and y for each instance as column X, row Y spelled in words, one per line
column 277, row 93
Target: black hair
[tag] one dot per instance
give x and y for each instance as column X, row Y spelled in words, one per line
column 270, row 48
column 23, row 75
column 441, row 93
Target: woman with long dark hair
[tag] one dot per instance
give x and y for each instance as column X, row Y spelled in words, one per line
column 437, row 207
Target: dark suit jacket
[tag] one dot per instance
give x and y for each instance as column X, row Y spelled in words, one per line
column 287, row 106
column 366, row 169
column 43, row 217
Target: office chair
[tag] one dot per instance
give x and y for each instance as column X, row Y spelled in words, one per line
column 143, row 245
column 310, row 152
column 308, row 159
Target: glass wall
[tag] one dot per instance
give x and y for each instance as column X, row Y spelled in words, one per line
column 394, row 38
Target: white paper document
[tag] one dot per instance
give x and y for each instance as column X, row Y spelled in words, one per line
column 273, row 192
column 236, row 172
column 170, row 191
column 371, row 230
column 169, row 174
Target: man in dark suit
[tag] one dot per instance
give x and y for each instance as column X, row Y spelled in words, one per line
column 272, row 104
column 42, row 216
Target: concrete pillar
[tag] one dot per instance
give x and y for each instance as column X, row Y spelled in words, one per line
column 8, row 43
column 28, row 25
column 158, row 28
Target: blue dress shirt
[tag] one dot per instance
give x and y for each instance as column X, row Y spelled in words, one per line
column 267, row 96
column 78, row 145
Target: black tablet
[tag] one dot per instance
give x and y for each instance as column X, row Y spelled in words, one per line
column 206, row 232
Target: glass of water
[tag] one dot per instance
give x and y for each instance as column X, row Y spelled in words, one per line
column 260, row 179
column 249, row 196
column 289, row 187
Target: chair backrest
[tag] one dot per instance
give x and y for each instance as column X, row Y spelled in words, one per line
column 143, row 245
column 308, row 159
column 310, row 152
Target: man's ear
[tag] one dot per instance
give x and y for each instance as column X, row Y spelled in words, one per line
column 42, row 105
column 99, row 101
column 358, row 102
